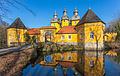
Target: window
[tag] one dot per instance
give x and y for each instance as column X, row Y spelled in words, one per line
column 75, row 22
column 91, row 63
column 91, row 35
column 69, row 37
column 64, row 23
column 63, row 57
column 69, row 57
column 81, row 36
column 63, row 37
column 112, row 38
column 64, row 20
column 54, row 24
column 29, row 37
column 81, row 60
column 18, row 36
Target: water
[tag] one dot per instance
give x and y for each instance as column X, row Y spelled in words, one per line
column 87, row 63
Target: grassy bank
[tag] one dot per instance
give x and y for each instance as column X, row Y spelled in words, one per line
column 112, row 45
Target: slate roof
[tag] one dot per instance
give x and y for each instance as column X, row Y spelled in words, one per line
column 75, row 16
column 67, row 30
column 54, row 19
column 89, row 17
column 18, row 24
column 65, row 15
column 34, row 31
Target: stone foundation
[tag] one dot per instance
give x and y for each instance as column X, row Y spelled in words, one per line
column 93, row 45
column 67, row 43
column 15, row 43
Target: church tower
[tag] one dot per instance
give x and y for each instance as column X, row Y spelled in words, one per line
column 65, row 19
column 55, row 22
column 75, row 18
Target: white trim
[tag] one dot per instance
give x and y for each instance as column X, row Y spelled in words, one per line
column 69, row 38
column 62, row 37
column 70, row 57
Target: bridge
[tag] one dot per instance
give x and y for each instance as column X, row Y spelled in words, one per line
column 14, row 49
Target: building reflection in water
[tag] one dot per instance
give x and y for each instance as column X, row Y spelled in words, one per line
column 86, row 63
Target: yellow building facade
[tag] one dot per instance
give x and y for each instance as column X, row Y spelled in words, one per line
column 15, row 33
column 87, row 31
column 87, row 63
column 110, row 36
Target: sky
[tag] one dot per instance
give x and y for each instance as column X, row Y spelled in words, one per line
column 106, row 10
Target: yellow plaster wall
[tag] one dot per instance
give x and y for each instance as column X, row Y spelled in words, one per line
column 98, row 30
column 58, row 56
column 73, row 22
column 65, row 23
column 12, row 34
column 73, row 38
column 57, row 25
column 42, row 30
column 108, row 36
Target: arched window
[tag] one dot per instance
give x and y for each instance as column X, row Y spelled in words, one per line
column 91, row 35
column 75, row 22
column 112, row 38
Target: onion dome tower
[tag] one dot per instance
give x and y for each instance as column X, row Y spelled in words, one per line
column 75, row 18
column 65, row 19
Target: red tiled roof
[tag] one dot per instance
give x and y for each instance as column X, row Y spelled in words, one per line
column 67, row 30
column 49, row 27
column 67, row 64
column 34, row 31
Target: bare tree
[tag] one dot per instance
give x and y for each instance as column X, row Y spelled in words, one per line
column 5, row 4
column 3, row 34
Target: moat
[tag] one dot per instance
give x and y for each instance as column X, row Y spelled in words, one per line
column 74, row 63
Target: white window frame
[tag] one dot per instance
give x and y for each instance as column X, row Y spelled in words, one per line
column 91, row 37
column 69, row 57
column 19, row 37
column 62, row 37
column 63, row 57
column 69, row 38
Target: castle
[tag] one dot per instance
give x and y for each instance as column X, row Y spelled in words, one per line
column 87, row 32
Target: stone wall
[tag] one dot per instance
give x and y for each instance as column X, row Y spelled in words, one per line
column 67, row 43
column 93, row 45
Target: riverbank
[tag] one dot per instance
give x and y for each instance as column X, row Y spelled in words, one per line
column 13, row 63
column 115, row 46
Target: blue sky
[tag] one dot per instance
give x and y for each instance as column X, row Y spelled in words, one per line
column 107, row 10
